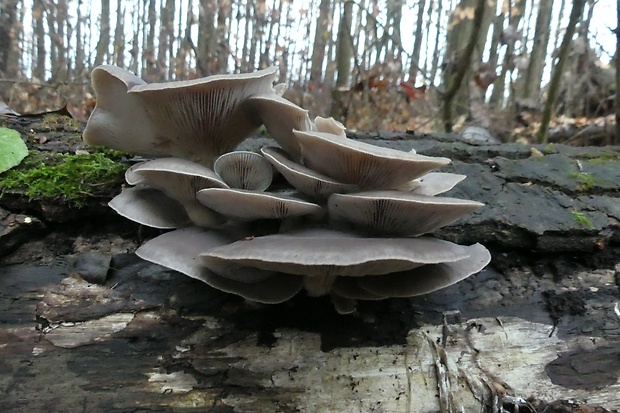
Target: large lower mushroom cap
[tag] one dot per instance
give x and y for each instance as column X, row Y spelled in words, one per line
column 362, row 164
column 178, row 250
column 398, row 213
column 428, row 278
column 333, row 253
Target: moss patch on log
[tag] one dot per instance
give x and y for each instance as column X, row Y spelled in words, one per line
column 58, row 176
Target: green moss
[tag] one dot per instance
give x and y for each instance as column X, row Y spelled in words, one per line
column 582, row 219
column 63, row 177
column 605, row 157
column 549, row 149
column 60, row 122
column 587, row 181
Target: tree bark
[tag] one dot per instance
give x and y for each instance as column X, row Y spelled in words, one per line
column 104, row 33
column 533, row 77
column 417, row 43
column 556, row 76
column 320, row 41
column 461, row 58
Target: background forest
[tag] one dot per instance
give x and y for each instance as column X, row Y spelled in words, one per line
column 509, row 66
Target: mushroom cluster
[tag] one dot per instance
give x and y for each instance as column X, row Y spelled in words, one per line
column 321, row 212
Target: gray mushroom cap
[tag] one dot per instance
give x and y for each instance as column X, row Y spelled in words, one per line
column 180, row 179
column 362, row 164
column 280, row 117
column 196, row 119
column 305, row 180
column 435, row 183
column 244, row 170
column 333, row 253
column 150, row 207
column 178, row 250
column 398, row 213
column 246, row 205
column 329, row 125
column 428, row 278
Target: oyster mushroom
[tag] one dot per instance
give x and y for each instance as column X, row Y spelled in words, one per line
column 179, row 249
column 323, row 255
column 247, row 205
column 305, row 180
column 196, row 119
column 180, row 179
column 280, row 117
column 398, row 213
column 428, row 278
column 329, row 125
column 150, row 207
column 362, row 164
column 244, row 170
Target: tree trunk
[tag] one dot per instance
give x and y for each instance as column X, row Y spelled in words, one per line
column 320, row 41
column 417, row 44
column 460, row 55
column 38, row 69
column 556, row 76
column 104, row 33
column 515, row 13
column 533, row 77
column 617, row 57
column 119, row 35
column 344, row 54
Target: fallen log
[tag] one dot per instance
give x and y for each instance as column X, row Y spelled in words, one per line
column 539, row 329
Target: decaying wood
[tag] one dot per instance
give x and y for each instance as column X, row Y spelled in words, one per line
column 538, row 330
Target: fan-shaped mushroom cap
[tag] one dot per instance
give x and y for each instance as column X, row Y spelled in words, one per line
column 280, row 117
column 398, row 213
column 150, row 207
column 330, row 125
column 195, row 119
column 328, row 252
column 249, row 205
column 362, row 164
column 435, row 183
column 429, row 278
column 178, row 250
column 305, row 180
column 151, row 172
column 180, row 179
column 244, row 170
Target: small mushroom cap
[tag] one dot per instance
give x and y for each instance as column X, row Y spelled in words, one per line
column 429, row 278
column 305, row 180
column 398, row 213
column 150, row 207
column 178, row 250
column 195, row 119
column 362, row 164
column 280, row 117
column 246, row 205
column 180, row 179
column 329, row 252
column 330, row 125
column 244, row 170
column 151, row 172
column 435, row 183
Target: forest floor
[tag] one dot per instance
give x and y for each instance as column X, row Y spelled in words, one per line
column 85, row 325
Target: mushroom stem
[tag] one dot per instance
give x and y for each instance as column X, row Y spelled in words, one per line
column 318, row 285
column 201, row 215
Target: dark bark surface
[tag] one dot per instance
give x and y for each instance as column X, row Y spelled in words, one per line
column 87, row 326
